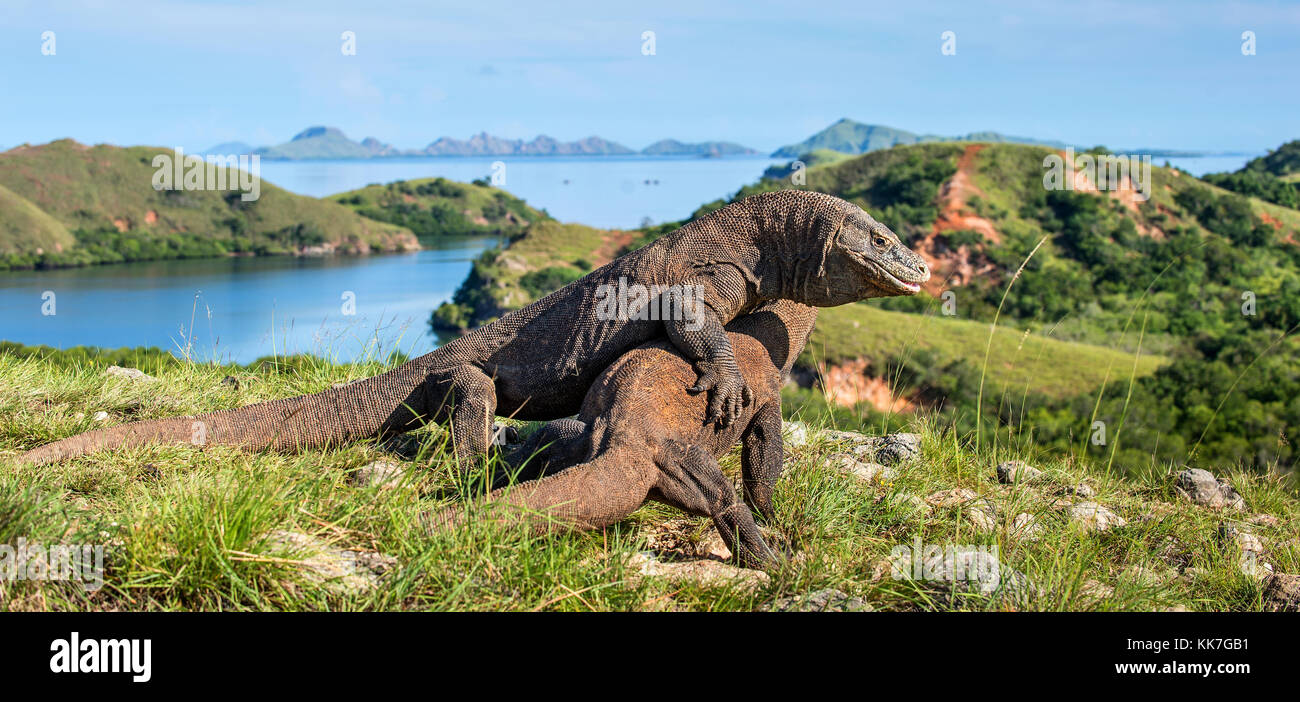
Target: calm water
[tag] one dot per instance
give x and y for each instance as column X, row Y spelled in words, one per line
column 242, row 308
column 607, row 191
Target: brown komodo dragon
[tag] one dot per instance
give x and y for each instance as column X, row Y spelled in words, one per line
column 537, row 362
column 641, row 435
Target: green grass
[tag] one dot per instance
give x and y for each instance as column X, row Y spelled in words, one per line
column 191, row 529
column 1053, row 368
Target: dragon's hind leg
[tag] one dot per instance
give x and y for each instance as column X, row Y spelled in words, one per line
column 554, row 447
column 691, row 480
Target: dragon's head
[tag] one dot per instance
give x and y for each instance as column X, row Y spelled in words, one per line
column 865, row 259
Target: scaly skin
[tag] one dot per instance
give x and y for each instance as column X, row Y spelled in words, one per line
column 538, row 362
column 646, row 439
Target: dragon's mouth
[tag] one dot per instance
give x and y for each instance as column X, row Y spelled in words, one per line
column 905, row 285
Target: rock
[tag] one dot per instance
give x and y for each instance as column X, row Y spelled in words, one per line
column 344, row 571
column 231, row 382
column 982, row 514
column 852, row 438
column 1202, row 488
column 898, row 448
column 1235, row 537
column 1282, row 592
column 969, row 570
column 794, row 434
column 1265, row 520
column 890, row 449
column 380, row 474
column 1249, row 547
column 100, row 417
column 1026, row 526
column 1094, row 517
column 702, row 572
column 713, row 546
column 1016, row 472
column 129, row 374
column 828, row 600
column 866, row 472
column 951, row 498
column 1083, row 490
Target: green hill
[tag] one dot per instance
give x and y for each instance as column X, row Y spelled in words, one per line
column 24, row 228
column 1282, row 161
column 104, row 196
column 850, row 137
column 440, row 207
column 548, row 255
column 1018, row 358
column 1274, row 177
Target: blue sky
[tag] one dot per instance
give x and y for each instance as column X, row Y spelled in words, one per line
column 191, row 73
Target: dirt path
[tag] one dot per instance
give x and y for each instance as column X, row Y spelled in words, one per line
column 957, row 267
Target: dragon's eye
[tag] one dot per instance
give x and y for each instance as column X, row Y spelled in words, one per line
column 880, row 242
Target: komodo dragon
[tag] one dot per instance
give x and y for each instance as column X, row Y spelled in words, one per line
column 641, row 435
column 537, row 362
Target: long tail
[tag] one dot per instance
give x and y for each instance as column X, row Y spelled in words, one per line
column 391, row 403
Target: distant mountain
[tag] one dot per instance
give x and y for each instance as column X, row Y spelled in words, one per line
column 672, row 147
column 849, row 137
column 484, row 144
column 325, row 142
column 331, row 143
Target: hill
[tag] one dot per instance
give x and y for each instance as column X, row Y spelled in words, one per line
column 672, row 147
column 1274, row 177
column 850, row 137
column 546, row 256
column 104, row 196
column 484, row 144
column 331, row 143
column 325, row 143
column 25, row 229
column 433, row 207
